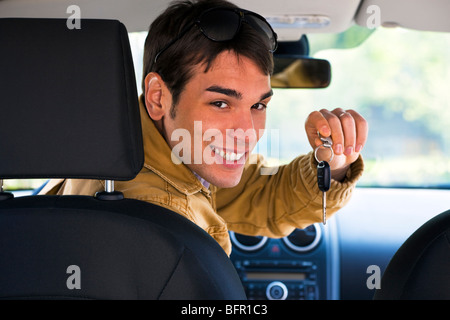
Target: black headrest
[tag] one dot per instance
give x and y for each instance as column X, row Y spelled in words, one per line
column 68, row 101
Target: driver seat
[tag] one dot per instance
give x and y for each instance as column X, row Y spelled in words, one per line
column 69, row 109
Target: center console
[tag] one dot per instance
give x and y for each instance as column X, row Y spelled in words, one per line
column 296, row 267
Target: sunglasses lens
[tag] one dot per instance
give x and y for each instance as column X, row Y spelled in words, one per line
column 220, row 25
column 223, row 25
column 262, row 27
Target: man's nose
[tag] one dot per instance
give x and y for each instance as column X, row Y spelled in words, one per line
column 243, row 129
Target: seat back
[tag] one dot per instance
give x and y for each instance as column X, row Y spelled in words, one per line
column 420, row 269
column 69, row 109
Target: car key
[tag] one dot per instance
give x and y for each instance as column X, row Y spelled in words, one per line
column 323, row 182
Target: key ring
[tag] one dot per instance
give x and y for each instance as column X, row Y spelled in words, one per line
column 326, row 143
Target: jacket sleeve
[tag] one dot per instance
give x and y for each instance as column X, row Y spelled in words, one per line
column 275, row 204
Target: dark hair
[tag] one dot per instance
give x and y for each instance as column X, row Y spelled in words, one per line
column 176, row 63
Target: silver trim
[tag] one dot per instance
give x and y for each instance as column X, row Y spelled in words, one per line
column 241, row 246
column 109, row 185
column 309, row 247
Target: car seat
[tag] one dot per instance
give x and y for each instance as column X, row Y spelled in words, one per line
column 69, row 109
column 420, row 269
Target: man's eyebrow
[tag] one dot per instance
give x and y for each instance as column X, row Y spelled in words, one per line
column 228, row 92
column 267, row 95
column 235, row 94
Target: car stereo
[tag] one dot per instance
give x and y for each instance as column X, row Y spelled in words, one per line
column 293, row 267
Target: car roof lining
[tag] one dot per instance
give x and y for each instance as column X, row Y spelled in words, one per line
column 138, row 14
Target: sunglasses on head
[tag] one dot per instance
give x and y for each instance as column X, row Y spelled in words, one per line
column 223, row 24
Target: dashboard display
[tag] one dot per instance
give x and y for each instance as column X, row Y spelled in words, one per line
column 275, row 275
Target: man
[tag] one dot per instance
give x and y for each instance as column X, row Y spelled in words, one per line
column 206, row 87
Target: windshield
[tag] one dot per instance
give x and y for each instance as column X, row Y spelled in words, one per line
column 399, row 81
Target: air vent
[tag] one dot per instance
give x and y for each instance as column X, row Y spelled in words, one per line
column 247, row 243
column 302, row 240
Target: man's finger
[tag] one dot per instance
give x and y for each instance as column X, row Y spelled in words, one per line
column 362, row 130
column 348, row 126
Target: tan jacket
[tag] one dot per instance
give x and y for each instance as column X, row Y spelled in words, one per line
column 270, row 205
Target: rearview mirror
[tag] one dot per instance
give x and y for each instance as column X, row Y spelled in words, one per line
column 301, row 73
column 295, row 68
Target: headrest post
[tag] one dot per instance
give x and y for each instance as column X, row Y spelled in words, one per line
column 109, row 193
column 109, row 186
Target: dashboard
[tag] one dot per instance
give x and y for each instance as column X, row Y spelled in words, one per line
column 339, row 260
column 301, row 266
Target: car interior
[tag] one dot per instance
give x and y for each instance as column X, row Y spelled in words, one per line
column 60, row 119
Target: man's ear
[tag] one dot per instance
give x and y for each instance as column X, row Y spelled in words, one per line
column 154, row 86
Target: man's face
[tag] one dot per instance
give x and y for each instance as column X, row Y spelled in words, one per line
column 219, row 118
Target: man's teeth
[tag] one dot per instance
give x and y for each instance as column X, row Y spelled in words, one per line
column 229, row 156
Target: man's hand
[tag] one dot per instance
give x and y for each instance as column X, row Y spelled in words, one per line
column 348, row 130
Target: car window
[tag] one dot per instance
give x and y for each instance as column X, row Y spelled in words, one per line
column 399, row 81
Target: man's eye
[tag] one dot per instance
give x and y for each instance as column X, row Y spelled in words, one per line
column 219, row 104
column 259, row 106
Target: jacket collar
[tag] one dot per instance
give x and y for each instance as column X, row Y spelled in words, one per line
column 158, row 157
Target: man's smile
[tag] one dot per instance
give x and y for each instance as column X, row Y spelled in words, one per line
column 227, row 155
